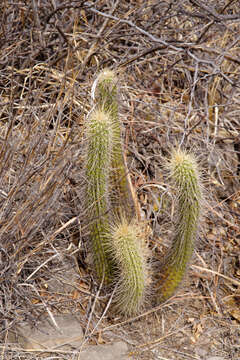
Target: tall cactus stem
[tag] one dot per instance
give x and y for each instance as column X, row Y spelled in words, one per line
column 105, row 93
column 186, row 181
column 99, row 133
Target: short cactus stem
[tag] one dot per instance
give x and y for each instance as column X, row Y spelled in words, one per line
column 129, row 249
column 185, row 176
column 98, row 159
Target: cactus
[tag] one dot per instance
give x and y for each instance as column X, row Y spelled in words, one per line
column 184, row 172
column 120, row 251
column 99, row 133
column 105, row 92
column 129, row 249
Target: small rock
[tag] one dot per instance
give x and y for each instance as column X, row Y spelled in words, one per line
column 45, row 335
column 116, row 351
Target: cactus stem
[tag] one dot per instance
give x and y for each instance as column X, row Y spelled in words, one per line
column 185, row 176
column 105, row 92
column 98, row 159
column 129, row 249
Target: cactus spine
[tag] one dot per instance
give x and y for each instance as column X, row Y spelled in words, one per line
column 186, row 181
column 98, row 159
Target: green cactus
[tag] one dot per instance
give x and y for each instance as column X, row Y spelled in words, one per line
column 184, row 172
column 129, row 249
column 105, row 92
column 120, row 251
column 99, row 134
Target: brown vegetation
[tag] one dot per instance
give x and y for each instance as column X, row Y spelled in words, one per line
column 179, row 66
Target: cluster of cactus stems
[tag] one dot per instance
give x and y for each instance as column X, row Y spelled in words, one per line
column 117, row 239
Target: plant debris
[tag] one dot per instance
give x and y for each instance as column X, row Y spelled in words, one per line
column 178, row 64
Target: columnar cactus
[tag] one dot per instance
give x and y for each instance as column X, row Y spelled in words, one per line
column 119, row 251
column 185, row 176
column 99, row 134
column 119, row 254
column 105, row 93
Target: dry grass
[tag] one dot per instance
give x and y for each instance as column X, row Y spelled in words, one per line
column 179, row 69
